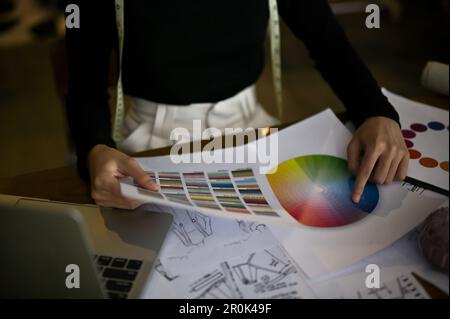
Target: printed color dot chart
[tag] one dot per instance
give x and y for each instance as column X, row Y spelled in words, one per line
column 433, row 129
column 426, row 133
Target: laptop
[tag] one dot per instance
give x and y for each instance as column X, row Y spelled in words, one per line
column 48, row 251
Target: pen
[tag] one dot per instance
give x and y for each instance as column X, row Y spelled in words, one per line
column 430, row 187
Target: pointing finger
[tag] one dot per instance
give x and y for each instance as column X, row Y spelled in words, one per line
column 354, row 155
column 368, row 163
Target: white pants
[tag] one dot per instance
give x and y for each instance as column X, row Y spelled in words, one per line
column 148, row 125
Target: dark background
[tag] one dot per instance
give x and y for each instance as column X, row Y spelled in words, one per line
column 33, row 133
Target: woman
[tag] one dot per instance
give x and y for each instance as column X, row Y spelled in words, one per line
column 186, row 60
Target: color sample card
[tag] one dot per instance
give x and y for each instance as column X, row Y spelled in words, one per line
column 229, row 191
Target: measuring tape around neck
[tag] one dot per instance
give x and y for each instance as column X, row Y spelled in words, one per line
column 120, row 103
column 275, row 49
column 275, row 45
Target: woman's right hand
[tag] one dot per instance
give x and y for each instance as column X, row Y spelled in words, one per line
column 106, row 166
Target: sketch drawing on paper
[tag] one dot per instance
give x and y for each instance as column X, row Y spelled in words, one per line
column 264, row 274
column 402, row 287
column 192, row 228
column 163, row 272
column 263, row 269
column 250, row 227
column 215, row 285
column 194, row 238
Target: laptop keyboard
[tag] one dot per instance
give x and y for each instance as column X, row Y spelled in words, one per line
column 118, row 274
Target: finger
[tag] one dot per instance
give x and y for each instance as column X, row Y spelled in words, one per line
column 394, row 168
column 383, row 166
column 403, row 169
column 365, row 170
column 354, row 155
column 132, row 168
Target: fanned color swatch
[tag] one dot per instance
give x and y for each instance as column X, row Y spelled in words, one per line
column 230, row 191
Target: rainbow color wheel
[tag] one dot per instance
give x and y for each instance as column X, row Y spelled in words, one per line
column 316, row 190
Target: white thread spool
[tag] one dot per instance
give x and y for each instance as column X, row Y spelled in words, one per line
column 435, row 77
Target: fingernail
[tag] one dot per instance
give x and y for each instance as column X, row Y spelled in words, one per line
column 356, row 199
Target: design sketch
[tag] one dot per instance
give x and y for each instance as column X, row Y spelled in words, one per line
column 162, row 271
column 250, row 227
column 402, row 287
column 264, row 274
column 196, row 240
column 192, row 228
column 264, row 269
column 215, row 285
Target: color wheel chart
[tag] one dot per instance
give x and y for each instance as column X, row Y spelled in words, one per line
column 316, row 191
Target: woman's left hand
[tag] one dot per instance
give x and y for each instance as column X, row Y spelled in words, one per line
column 378, row 153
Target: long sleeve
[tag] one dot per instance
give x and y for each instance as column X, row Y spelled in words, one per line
column 315, row 24
column 89, row 49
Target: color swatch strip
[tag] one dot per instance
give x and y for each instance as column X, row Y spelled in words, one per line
column 251, row 193
column 225, row 192
column 172, row 187
column 198, row 190
column 229, row 191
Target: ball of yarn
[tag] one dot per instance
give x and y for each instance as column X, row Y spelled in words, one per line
column 433, row 238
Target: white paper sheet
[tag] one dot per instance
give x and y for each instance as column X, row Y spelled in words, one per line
column 403, row 256
column 406, row 252
column 324, row 251
column 318, row 250
column 402, row 253
column 158, row 285
column 426, row 131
